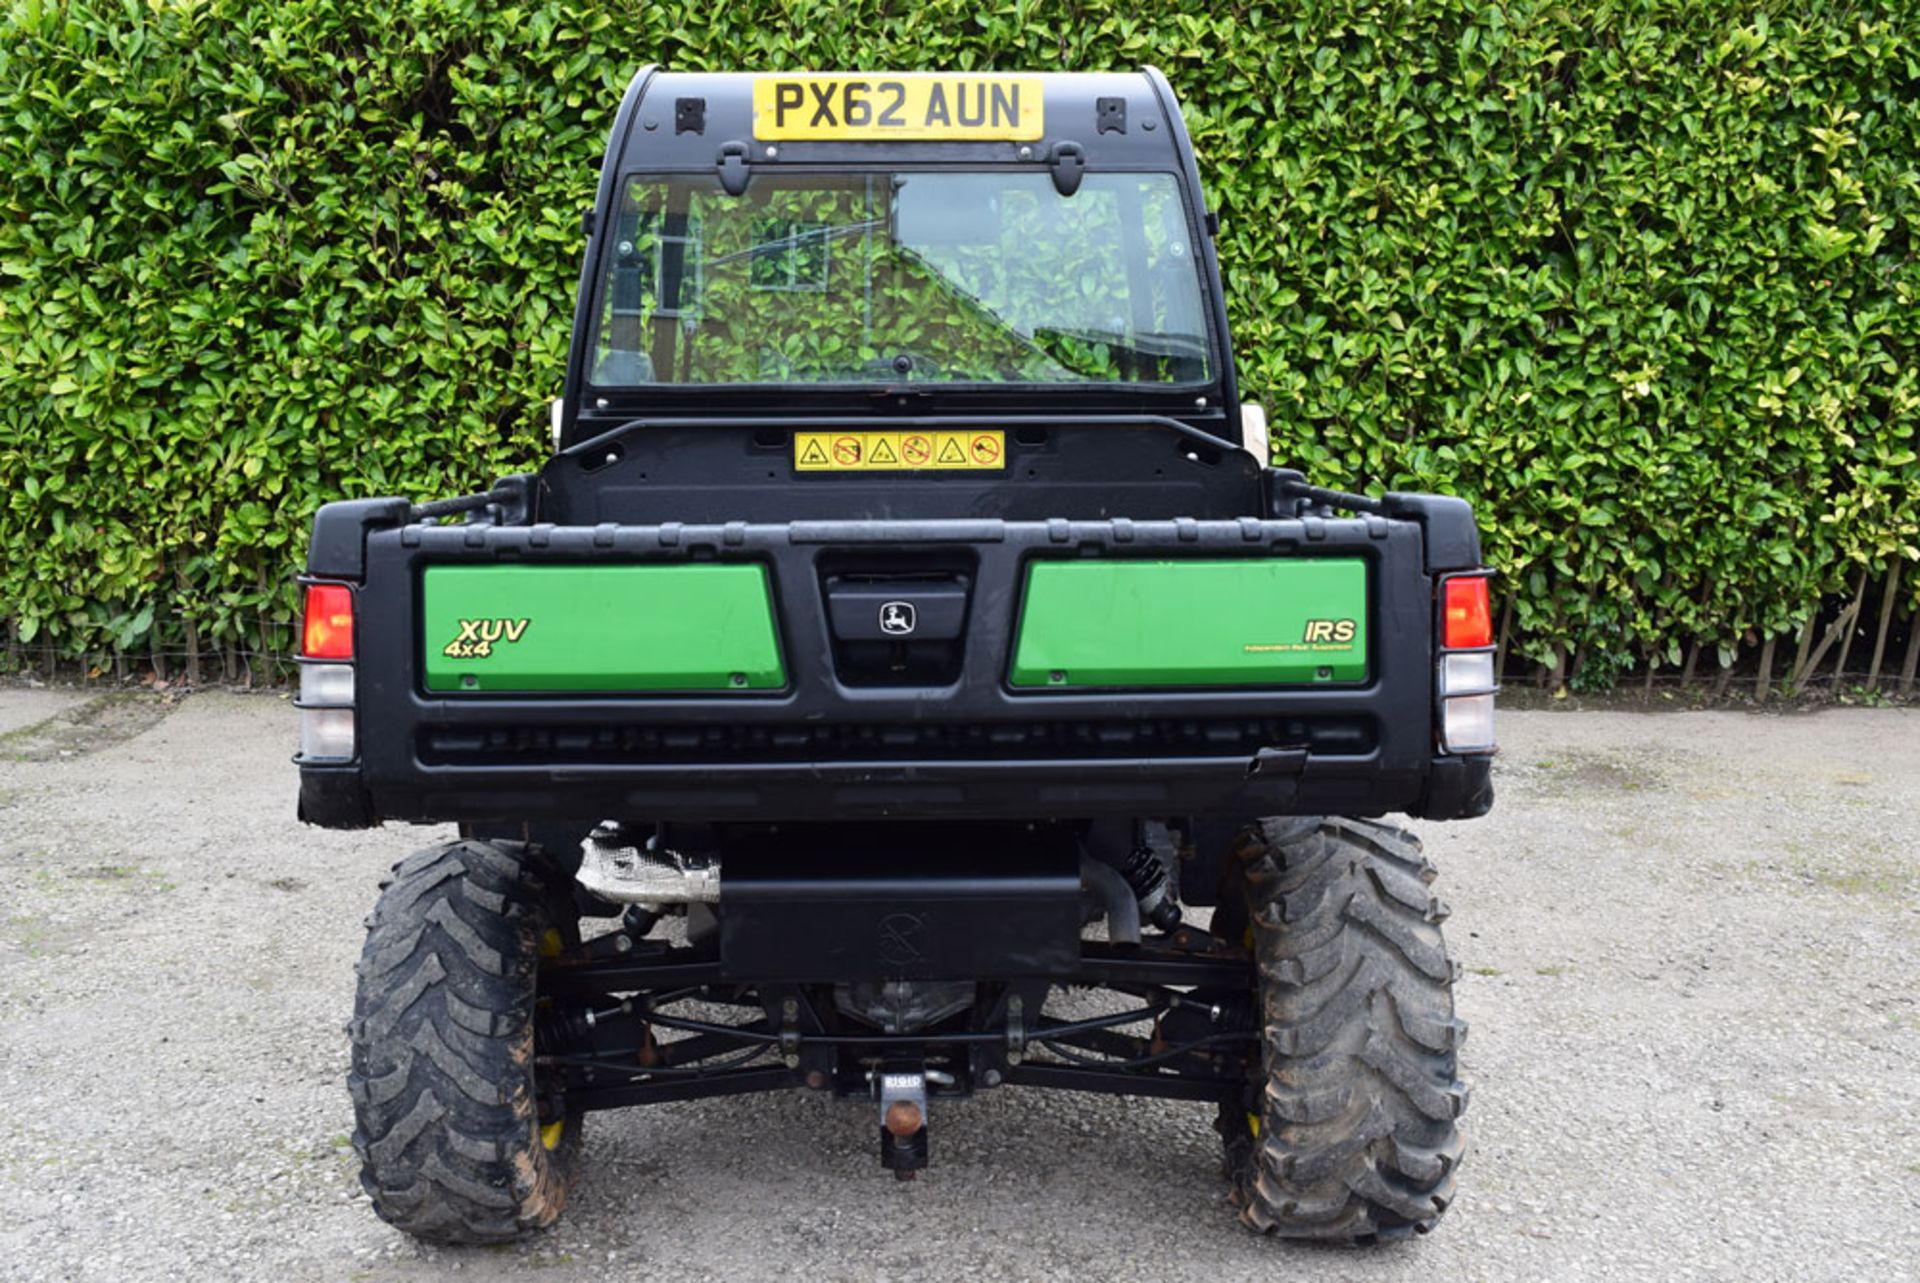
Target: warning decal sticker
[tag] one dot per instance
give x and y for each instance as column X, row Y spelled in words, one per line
column 940, row 450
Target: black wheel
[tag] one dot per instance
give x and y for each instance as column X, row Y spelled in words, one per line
column 1350, row 1135
column 452, row 1143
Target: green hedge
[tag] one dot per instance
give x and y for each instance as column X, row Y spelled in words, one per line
column 1639, row 282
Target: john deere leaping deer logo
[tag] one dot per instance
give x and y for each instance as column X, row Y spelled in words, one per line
column 478, row 637
column 897, row 618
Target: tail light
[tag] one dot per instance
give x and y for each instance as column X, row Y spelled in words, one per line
column 327, row 688
column 329, row 622
column 1467, row 613
column 1466, row 680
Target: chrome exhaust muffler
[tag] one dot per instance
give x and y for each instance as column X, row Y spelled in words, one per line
column 621, row 873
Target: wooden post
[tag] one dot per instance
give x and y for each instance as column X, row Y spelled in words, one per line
column 1846, row 638
column 1840, row 626
column 156, row 644
column 185, row 600
column 1913, row 653
column 1725, row 678
column 260, row 628
column 1887, row 595
column 193, row 652
column 1693, row 645
column 1798, row 672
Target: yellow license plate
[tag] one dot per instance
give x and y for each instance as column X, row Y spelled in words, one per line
column 941, row 451
column 838, row 107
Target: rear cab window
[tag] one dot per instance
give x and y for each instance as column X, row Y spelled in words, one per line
column 907, row 275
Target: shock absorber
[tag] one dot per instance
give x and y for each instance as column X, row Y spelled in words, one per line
column 612, row 1032
column 1147, row 876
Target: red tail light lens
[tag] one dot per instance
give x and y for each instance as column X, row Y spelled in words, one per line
column 1466, row 615
column 329, row 630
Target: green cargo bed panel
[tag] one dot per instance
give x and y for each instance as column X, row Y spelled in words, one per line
column 608, row 629
column 1243, row 622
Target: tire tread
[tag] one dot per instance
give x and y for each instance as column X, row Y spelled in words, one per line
column 442, row 1082
column 1358, row 1138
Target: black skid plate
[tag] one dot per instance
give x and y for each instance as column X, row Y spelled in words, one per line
column 900, row 905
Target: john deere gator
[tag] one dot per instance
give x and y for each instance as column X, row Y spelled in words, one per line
column 906, row 677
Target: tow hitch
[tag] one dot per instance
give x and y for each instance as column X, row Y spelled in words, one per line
column 903, row 1120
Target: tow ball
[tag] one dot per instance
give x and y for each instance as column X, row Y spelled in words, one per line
column 903, row 1120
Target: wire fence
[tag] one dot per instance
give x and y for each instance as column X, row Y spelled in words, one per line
column 176, row 651
column 1865, row 646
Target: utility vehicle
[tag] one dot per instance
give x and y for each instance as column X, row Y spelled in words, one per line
column 911, row 675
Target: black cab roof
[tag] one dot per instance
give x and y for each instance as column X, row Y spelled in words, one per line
column 681, row 120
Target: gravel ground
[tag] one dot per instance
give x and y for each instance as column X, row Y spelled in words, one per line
column 1690, row 944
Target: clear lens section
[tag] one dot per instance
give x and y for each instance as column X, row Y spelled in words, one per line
column 1464, row 674
column 323, row 685
column 1466, row 724
column 326, row 733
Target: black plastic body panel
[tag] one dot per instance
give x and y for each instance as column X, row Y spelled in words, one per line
column 857, row 908
column 825, row 749
column 1452, row 537
column 660, row 470
column 338, row 549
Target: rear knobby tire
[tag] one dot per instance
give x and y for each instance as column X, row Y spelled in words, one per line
column 451, row 1145
column 1350, row 1136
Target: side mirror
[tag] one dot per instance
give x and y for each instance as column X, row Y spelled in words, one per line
column 553, row 417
